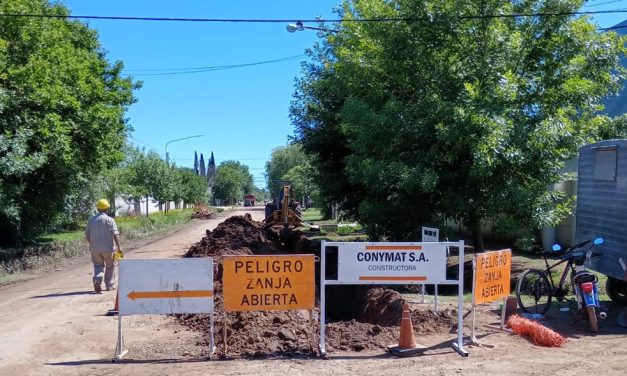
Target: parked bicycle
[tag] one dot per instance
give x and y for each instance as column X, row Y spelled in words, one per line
column 535, row 288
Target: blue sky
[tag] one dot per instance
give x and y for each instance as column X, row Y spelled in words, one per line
column 242, row 113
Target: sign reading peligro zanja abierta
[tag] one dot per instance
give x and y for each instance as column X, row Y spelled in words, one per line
column 391, row 263
column 268, row 283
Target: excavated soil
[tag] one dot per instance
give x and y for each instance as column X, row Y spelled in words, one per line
column 362, row 317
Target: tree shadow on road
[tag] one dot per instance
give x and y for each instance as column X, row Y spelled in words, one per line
column 129, row 361
column 62, row 294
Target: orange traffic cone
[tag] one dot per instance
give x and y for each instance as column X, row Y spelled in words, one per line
column 407, row 342
column 114, row 311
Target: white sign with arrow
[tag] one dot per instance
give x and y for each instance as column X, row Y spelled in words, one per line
column 164, row 286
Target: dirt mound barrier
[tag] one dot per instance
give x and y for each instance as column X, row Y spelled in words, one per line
column 363, row 317
column 236, row 235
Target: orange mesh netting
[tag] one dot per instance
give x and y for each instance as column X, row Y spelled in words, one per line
column 540, row 334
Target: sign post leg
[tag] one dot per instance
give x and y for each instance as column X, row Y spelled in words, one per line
column 120, row 351
column 212, row 343
column 473, row 338
column 224, row 333
column 323, row 311
column 312, row 329
column 459, row 345
column 503, row 308
column 435, row 299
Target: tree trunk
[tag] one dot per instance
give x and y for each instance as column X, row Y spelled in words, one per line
column 146, row 206
column 475, row 226
column 137, row 206
column 111, row 197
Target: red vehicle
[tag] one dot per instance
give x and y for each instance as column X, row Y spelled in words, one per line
column 249, row 200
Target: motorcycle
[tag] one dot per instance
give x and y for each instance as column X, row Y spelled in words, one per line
column 584, row 282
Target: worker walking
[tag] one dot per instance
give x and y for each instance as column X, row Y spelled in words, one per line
column 101, row 233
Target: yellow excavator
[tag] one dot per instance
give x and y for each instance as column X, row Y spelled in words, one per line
column 284, row 211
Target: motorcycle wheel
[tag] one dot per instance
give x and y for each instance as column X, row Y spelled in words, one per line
column 592, row 318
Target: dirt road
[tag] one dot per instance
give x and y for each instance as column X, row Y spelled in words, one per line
column 56, row 325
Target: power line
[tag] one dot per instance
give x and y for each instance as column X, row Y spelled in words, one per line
column 613, row 28
column 211, row 67
column 320, row 20
column 177, row 71
column 599, row 4
column 141, row 142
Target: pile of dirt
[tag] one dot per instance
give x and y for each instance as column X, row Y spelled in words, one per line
column 357, row 336
column 362, row 317
column 289, row 333
column 203, row 212
column 238, row 235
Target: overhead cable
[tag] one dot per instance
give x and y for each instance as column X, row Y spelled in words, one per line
column 175, row 71
column 318, row 20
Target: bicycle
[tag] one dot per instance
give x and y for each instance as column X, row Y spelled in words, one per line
column 535, row 288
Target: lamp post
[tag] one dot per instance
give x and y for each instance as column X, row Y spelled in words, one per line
column 167, row 157
column 299, row 26
column 167, row 162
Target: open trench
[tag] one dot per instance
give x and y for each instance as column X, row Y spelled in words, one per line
column 359, row 317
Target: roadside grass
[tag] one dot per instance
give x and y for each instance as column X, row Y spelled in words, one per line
column 55, row 249
column 332, row 230
column 332, row 237
column 312, row 215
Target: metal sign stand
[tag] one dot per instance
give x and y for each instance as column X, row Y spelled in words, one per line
column 312, row 332
column 503, row 296
column 120, row 351
column 323, row 308
column 142, row 291
column 457, row 346
column 473, row 339
column 212, row 343
column 224, row 318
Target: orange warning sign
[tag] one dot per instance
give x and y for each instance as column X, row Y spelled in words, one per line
column 268, row 283
column 492, row 275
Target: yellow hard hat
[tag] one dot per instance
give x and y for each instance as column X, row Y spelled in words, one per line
column 103, row 204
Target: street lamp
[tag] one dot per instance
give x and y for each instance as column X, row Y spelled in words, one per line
column 167, row 162
column 167, row 157
column 298, row 26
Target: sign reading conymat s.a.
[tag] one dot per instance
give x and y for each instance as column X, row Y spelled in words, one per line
column 392, row 263
column 268, row 283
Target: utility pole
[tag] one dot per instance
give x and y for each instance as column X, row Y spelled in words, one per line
column 167, row 156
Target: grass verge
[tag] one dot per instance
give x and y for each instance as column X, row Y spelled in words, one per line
column 312, row 214
column 55, row 249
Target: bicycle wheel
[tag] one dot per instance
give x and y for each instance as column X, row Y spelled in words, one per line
column 533, row 291
column 592, row 318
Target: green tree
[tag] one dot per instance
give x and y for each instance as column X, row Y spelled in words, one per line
column 193, row 187
column 282, row 159
column 452, row 113
column 62, row 121
column 303, row 183
column 232, row 181
column 150, row 176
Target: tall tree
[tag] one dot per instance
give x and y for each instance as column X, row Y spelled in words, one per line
column 62, row 107
column 196, row 163
column 202, row 166
column 453, row 110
